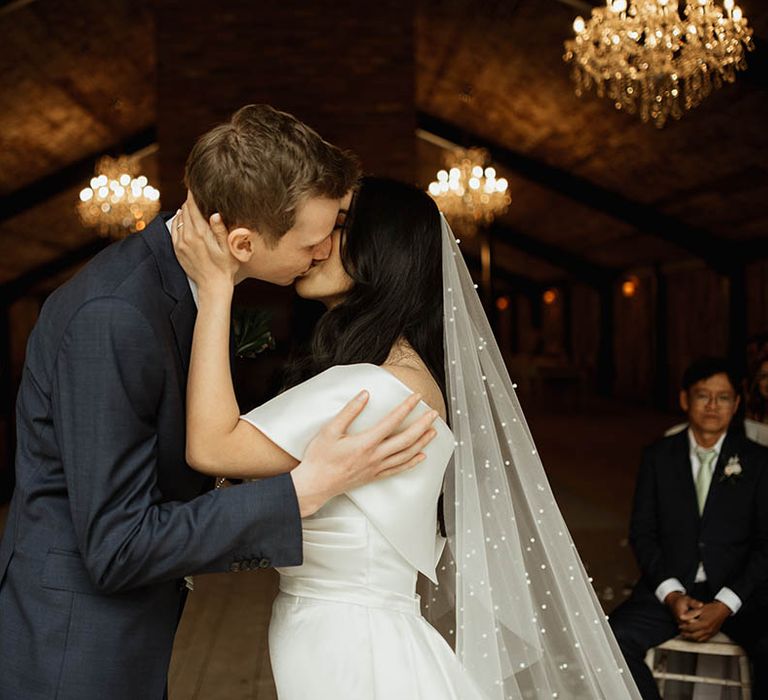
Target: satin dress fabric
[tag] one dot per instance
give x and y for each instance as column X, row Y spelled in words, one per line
column 347, row 623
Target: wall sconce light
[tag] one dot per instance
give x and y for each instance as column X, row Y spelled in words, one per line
column 550, row 297
column 629, row 287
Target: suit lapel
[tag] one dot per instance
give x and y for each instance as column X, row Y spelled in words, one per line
column 727, row 451
column 176, row 286
column 684, row 474
column 183, row 321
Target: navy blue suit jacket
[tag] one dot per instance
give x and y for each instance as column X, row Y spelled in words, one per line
column 107, row 517
column 730, row 537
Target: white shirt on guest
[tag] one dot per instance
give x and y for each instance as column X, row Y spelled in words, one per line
column 192, row 284
column 725, row 595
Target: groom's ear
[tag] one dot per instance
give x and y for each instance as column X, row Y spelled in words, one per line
column 241, row 243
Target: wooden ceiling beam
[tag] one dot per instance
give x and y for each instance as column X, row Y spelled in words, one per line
column 8, row 6
column 27, row 281
column 718, row 253
column 576, row 266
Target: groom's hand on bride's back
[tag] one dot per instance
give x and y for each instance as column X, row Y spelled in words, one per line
column 336, row 462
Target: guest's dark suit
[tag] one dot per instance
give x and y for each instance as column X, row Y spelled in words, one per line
column 669, row 539
column 107, row 517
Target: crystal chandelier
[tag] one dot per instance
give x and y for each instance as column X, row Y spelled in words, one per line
column 468, row 192
column 658, row 58
column 119, row 201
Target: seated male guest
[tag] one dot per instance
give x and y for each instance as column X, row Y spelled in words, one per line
column 699, row 531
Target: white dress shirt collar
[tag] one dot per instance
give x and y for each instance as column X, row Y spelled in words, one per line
column 717, row 447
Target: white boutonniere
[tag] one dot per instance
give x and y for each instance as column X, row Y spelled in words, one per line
column 732, row 471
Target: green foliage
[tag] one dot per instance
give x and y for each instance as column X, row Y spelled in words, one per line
column 251, row 331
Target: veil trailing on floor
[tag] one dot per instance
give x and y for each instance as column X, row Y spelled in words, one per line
column 513, row 596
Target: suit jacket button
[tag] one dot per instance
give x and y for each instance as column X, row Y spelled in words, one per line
column 254, row 564
column 264, row 563
column 234, row 567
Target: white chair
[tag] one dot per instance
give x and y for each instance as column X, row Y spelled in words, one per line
column 719, row 645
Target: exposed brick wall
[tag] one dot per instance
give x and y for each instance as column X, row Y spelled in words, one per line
column 345, row 68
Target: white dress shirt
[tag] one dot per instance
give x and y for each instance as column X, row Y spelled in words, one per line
column 725, row 595
column 192, row 284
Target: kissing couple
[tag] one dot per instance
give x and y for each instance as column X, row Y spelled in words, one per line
column 127, row 414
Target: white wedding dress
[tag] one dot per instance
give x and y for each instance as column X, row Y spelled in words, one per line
column 347, row 623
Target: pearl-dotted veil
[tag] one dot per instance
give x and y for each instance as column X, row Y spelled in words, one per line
column 513, row 596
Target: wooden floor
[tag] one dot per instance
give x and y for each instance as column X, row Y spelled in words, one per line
column 221, row 646
column 591, row 457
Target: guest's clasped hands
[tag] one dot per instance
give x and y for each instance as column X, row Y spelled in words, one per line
column 697, row 621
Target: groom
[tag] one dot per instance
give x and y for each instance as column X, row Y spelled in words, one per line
column 107, row 518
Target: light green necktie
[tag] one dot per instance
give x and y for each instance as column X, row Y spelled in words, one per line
column 704, row 477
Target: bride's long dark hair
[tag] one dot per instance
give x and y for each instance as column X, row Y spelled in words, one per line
column 391, row 247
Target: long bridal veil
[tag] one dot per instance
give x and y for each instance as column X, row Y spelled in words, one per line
column 513, row 595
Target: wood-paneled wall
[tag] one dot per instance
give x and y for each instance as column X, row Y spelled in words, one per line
column 676, row 315
column 633, row 343
column 757, row 297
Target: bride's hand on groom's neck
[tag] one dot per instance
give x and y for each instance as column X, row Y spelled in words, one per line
column 202, row 248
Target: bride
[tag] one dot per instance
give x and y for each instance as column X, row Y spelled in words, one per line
column 509, row 594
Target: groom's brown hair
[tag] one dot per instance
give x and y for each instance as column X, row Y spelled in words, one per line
column 257, row 168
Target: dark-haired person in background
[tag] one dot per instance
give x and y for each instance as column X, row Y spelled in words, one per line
column 699, row 530
column 756, row 422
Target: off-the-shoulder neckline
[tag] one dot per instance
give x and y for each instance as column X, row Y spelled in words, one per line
column 396, row 379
